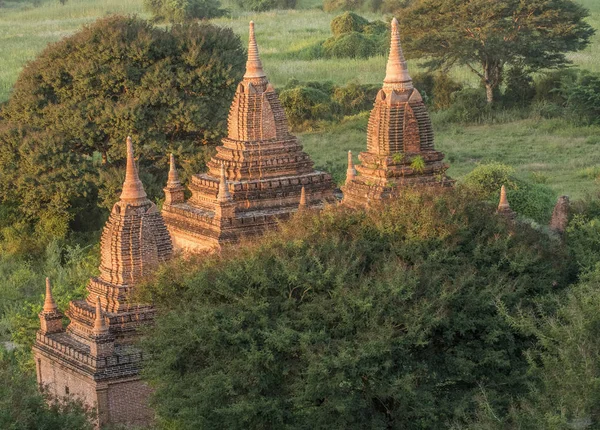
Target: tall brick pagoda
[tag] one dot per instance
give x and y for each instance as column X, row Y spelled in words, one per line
column 94, row 358
column 256, row 176
column 400, row 148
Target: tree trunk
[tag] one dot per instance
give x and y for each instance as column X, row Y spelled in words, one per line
column 489, row 92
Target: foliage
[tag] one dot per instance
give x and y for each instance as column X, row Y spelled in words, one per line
column 583, row 97
column 529, row 200
column 385, row 6
column 488, row 36
column 308, row 103
column 22, row 407
column 178, row 11
column 263, row 5
column 347, row 23
column 520, row 88
column 351, row 319
column 436, row 89
column 467, row 105
column 73, row 107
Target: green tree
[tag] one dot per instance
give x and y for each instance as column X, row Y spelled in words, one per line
column 350, row 319
column 178, row 11
column 76, row 103
column 486, row 36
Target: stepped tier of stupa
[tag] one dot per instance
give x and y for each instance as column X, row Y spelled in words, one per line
column 94, row 359
column 400, row 149
column 256, row 177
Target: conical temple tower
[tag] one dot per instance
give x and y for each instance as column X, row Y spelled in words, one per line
column 400, row 148
column 94, row 359
column 261, row 165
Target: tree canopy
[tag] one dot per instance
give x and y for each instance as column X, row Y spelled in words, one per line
column 178, row 11
column 488, row 35
column 348, row 319
column 64, row 125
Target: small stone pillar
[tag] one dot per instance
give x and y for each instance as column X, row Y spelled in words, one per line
column 174, row 191
column 50, row 317
column 504, row 207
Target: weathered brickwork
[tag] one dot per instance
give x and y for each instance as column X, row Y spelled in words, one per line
column 258, row 172
column 400, row 149
column 94, row 358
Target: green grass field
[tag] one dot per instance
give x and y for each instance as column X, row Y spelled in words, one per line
column 549, row 151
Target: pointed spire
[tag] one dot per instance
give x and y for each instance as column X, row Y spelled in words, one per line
column 396, row 72
column 223, row 195
column 100, row 326
column 133, row 190
column 302, row 204
column 254, row 68
column 351, row 171
column 173, row 180
column 503, row 205
column 49, row 304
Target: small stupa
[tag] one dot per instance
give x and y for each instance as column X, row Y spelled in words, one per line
column 503, row 205
column 256, row 177
column 400, row 149
column 94, row 359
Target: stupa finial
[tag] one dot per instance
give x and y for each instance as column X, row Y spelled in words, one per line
column 503, row 205
column 396, row 72
column 100, row 326
column 302, row 204
column 351, row 171
column 173, row 179
column 223, row 195
column 49, row 303
column 254, row 68
column 133, row 190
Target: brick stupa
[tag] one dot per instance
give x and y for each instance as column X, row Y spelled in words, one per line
column 255, row 178
column 400, row 148
column 94, row 358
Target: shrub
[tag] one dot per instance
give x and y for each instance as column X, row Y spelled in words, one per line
column 183, row 10
column 443, row 89
column 334, row 5
column 548, row 85
column 304, row 105
column 520, row 90
column 355, row 98
column 468, row 105
column 263, row 5
column 529, row 200
column 583, row 98
column 347, row 23
column 352, row 45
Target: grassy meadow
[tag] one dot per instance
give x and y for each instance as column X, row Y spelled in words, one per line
column 548, row 151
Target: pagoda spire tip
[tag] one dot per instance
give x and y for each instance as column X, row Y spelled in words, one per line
column 133, row 190
column 254, row 68
column 49, row 303
column 396, row 73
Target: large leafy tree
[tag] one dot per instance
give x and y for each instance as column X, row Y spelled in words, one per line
column 377, row 320
column 488, row 35
column 169, row 89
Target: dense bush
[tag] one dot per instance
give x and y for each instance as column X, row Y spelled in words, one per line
column 385, row 6
column 308, row 103
column 349, row 319
column 353, row 37
column 529, row 200
column 583, row 98
column 183, row 10
column 467, row 105
column 352, row 45
column 520, row 88
column 72, row 108
column 262, row 5
column 436, row 89
column 347, row 23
